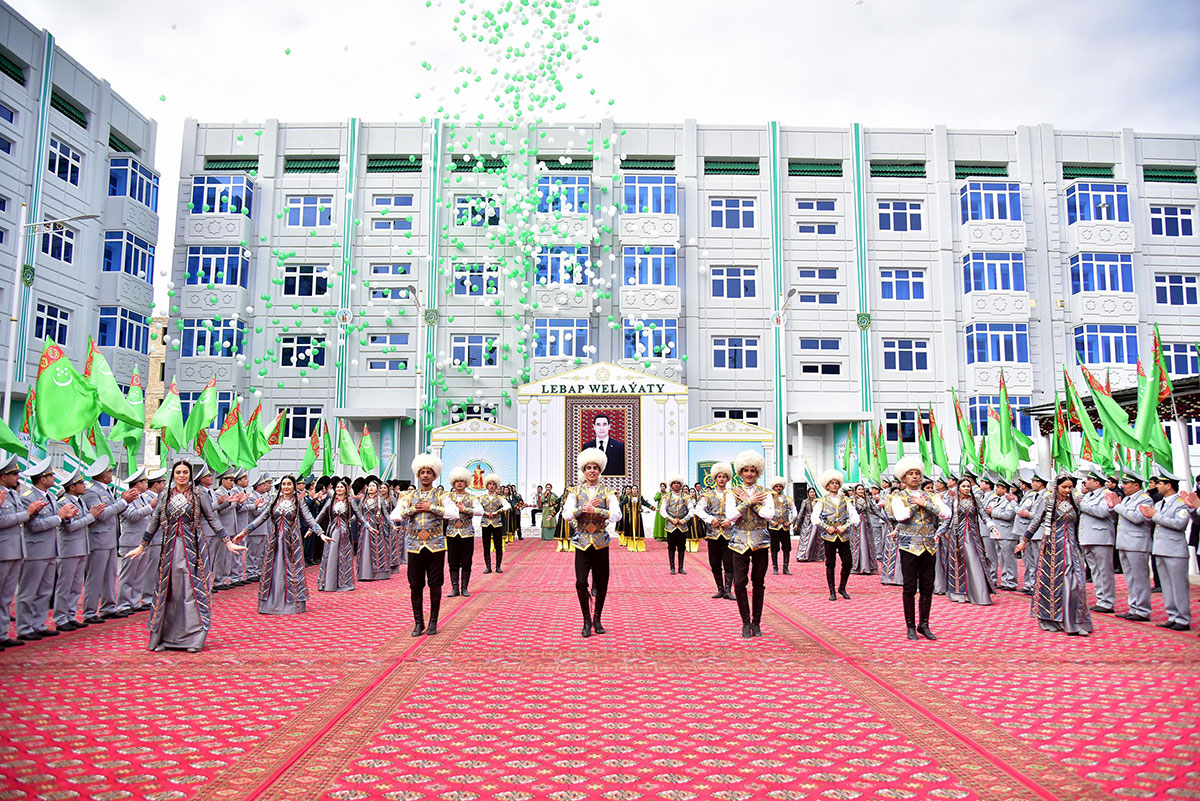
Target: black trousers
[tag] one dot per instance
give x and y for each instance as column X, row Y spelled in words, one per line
column 720, row 562
column 781, row 540
column 533, row 513
column 676, row 544
column 426, row 567
column 918, row 572
column 460, row 551
column 493, row 537
column 832, row 549
column 594, row 561
column 750, row 567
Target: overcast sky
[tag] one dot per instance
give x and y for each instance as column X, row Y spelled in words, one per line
column 1078, row 64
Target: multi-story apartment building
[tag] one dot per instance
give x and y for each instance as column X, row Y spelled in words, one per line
column 795, row 278
column 71, row 147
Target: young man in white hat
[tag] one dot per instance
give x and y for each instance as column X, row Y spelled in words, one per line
column 751, row 509
column 491, row 524
column 72, row 554
column 591, row 510
column 676, row 510
column 425, row 510
column 710, row 508
column 916, row 513
column 460, row 533
column 834, row 516
column 100, row 576
column 781, row 524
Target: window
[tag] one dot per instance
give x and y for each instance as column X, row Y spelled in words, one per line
column 387, row 340
column 750, row 416
column 997, row 342
column 1171, row 220
column 562, row 264
column 820, row 298
column 6, row 145
column 128, row 178
column 394, row 213
column 650, row 265
column 476, row 279
column 3, row 204
column 122, row 328
column 474, row 411
column 820, row 344
column 59, row 243
column 649, row 194
column 1106, row 344
column 385, row 270
column 906, row 355
column 732, row 212
column 567, row 337
column 124, row 252
column 1174, row 289
column 309, row 211
column 821, row 368
column 7, row 114
column 50, row 322
column 224, row 403
column 734, row 282
column 816, row 205
column 222, row 265
column 1180, row 358
column 206, row 338
column 816, row 229
column 1101, row 272
column 651, row 338
column 64, row 162
column 389, row 293
column 305, row 280
column 301, row 421
column 477, row 211
column 564, row 193
column 902, row 425
column 387, row 365
column 1193, row 429
column 994, row 271
column 977, row 410
column 1097, row 202
column 222, row 194
column 473, row 350
column 897, row 284
column 817, row 273
column 301, row 350
column 735, row 353
column 900, row 215
column 990, row 201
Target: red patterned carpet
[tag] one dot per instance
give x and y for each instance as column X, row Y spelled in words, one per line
column 508, row 702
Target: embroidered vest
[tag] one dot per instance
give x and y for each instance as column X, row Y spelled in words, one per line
column 750, row 519
column 464, row 526
column 783, row 511
column 835, row 512
column 591, row 530
column 426, row 530
column 676, row 506
column 714, row 505
column 919, row 532
column 750, row 530
column 492, row 509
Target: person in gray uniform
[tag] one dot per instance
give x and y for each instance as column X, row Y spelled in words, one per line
column 1171, row 517
column 100, row 576
column 210, row 539
column 245, row 508
column 1003, row 512
column 135, row 519
column 1097, row 533
column 227, row 501
column 1134, row 538
column 12, row 544
column 157, row 481
column 36, row 582
column 256, row 540
column 1030, row 508
column 986, row 496
column 72, row 554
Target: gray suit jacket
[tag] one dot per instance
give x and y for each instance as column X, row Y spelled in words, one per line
column 208, row 496
column 41, row 539
column 12, row 518
column 1004, row 512
column 1133, row 529
column 73, row 533
column 135, row 519
column 102, row 533
column 226, row 509
column 1170, row 527
column 1097, row 523
column 1037, row 516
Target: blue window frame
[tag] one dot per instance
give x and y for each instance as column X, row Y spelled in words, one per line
column 301, row 350
column 476, row 211
column 651, row 338
column 203, row 337
column 980, row 200
column 128, row 178
column 1171, row 220
column 1175, row 289
column 392, row 213
column 564, row 193
column 734, row 282
column 476, row 279
column 816, row 228
column 816, row 205
column 6, row 145
column 1181, row 358
column 222, row 194
column 1086, row 201
column 224, row 403
column 900, row 215
column 1106, row 344
column 997, row 342
column 7, row 114
column 309, row 211
column 222, row 265
column 300, row 421
column 387, row 365
column 650, row 265
column 994, row 271
column 384, row 270
column 906, row 355
column 732, row 213
column 560, row 337
column 820, row 344
column 1101, row 272
column 649, row 194
column 735, row 353
column 122, row 328
column 64, row 162
column 901, row 424
column 562, row 264
column 977, row 411
column 902, row 284
column 124, row 252
column 50, row 322
column 59, row 243
column 305, row 280
column 387, row 340
column 819, row 298
column 817, row 273
column 473, row 350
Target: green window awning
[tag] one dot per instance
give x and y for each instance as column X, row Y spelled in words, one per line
column 897, row 169
column 410, row 163
column 576, row 164
column 477, row 164
column 230, row 163
column 731, row 167
column 68, row 109
column 1073, row 171
column 115, row 142
column 648, row 163
column 12, row 69
column 310, row 164
column 1169, row 175
column 828, row 169
column 964, row 169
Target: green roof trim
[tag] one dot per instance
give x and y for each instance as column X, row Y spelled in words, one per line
column 1169, row 175
column 731, row 167
column 964, row 169
column 68, row 109
column 410, row 163
column 576, row 164
column 828, row 169
column 230, row 163
column 1073, row 171
column 311, row 164
column 115, row 142
column 647, row 163
column 12, row 69
column 897, row 169
column 464, row 163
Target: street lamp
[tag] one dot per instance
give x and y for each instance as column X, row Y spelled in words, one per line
column 779, row 318
column 45, row 227
column 413, row 295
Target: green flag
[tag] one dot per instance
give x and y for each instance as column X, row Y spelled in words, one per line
column 939, row 445
column 366, row 451
column 966, row 436
column 1060, row 450
column 132, row 435
column 112, row 400
column 347, row 451
column 203, row 411
column 100, row 443
column 1164, row 387
column 1148, row 430
column 1093, row 449
column 29, row 424
column 211, row 452
column 66, row 402
column 9, row 441
column 899, row 443
column 246, row 456
column 1006, row 427
column 311, row 452
column 169, row 417
column 1112, row 416
column 327, row 459
column 227, row 438
column 881, row 449
column 256, row 435
column 923, row 446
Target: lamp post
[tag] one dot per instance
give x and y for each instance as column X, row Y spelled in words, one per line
column 779, row 318
column 413, row 295
column 45, row 226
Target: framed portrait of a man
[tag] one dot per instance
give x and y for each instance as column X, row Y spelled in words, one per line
column 609, row 424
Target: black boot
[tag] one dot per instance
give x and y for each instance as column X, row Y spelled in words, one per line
column 435, row 606
column 466, row 581
column 912, row 633
column 842, row 592
column 671, row 557
column 682, row 572
column 454, row 593
column 925, row 632
column 418, row 614
column 499, row 559
column 596, row 627
column 747, row 629
column 786, row 559
column 587, row 628
column 487, row 562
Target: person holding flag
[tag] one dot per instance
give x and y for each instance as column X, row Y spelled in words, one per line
column 1134, row 541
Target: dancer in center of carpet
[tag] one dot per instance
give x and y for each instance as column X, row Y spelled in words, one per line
column 282, row 590
column 491, row 525
column 426, row 508
column 916, row 533
column 968, row 578
column 337, row 562
column 711, row 509
column 590, row 510
column 833, row 517
column 676, row 511
column 1060, row 587
column 781, row 525
column 750, row 509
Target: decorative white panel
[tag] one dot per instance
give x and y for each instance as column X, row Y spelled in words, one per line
column 1006, row 306
column 1100, row 236
column 554, row 298
column 200, row 299
column 563, row 228
column 550, row 367
column 985, row 379
column 670, row 369
column 198, row 369
column 1095, row 307
column 649, row 229
column 993, row 235
column 218, row 229
column 650, row 301
column 127, row 214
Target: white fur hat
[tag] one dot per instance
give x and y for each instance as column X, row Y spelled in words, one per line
column 427, row 460
column 489, row 478
column 749, row 459
column 458, row 474
column 592, row 456
column 830, row 475
column 671, row 479
column 776, row 481
column 721, row 467
column 909, row 463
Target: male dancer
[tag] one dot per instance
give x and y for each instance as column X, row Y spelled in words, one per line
column 781, row 524
column 492, row 523
column 751, row 509
column 916, row 514
column 591, row 510
column 460, row 533
column 427, row 508
column 833, row 516
column 711, row 509
column 676, row 509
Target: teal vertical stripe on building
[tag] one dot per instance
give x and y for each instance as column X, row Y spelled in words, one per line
column 860, row 252
column 344, row 325
column 35, row 203
column 425, row 417
column 778, row 284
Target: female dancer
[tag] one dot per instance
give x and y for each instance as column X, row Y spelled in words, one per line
column 944, row 492
column 374, row 557
column 660, row 525
column 282, row 591
column 337, row 563
column 550, row 507
column 1060, row 586
column 890, row 569
column 862, row 537
column 180, row 617
column 387, row 502
column 810, row 547
column 967, row 577
column 635, row 530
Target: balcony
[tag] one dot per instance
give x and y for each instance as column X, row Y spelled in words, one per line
column 218, row 229
column 130, row 215
column 563, row 297
column 993, row 235
column 550, row 366
column 650, row 301
column 1109, row 307
column 123, row 289
column 563, row 228
column 124, row 361
column 1104, row 236
column 201, row 301
column 996, row 305
column 194, row 371
column 670, row 369
column 984, row 379
column 649, row 229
